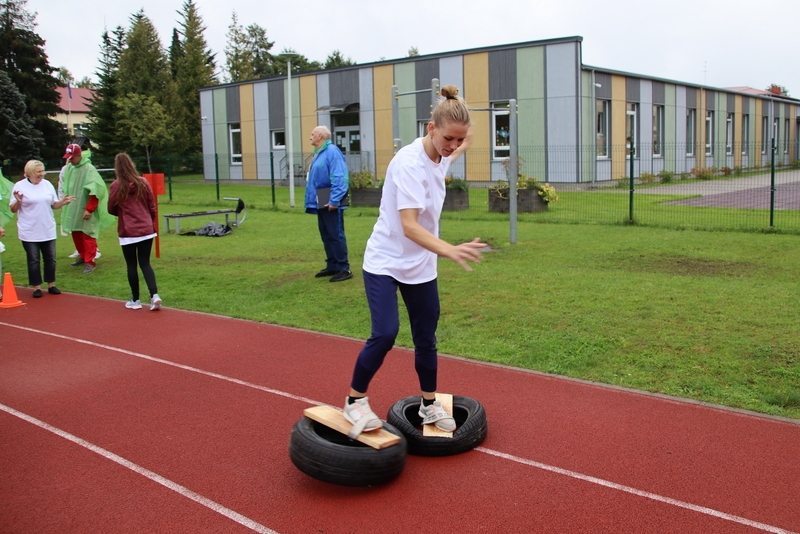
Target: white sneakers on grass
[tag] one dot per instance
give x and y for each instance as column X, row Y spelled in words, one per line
column 75, row 254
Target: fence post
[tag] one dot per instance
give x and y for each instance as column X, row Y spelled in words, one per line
column 169, row 176
column 630, row 201
column 272, row 175
column 772, row 184
column 216, row 173
column 513, row 160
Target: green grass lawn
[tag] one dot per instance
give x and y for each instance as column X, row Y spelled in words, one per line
column 711, row 316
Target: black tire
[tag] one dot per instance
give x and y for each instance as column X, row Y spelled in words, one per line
column 471, row 427
column 330, row 456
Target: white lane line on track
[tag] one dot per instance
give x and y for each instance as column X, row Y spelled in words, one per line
column 531, row 463
column 639, row 493
column 155, row 477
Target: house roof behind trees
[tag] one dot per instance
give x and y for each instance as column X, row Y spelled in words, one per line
column 79, row 102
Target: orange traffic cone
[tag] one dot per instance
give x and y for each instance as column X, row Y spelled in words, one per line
column 10, row 299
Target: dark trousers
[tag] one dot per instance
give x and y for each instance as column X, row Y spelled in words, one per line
column 139, row 253
column 331, row 230
column 47, row 250
column 422, row 303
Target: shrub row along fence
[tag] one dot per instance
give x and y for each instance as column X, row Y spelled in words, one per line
column 741, row 189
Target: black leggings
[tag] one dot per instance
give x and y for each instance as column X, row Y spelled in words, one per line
column 140, row 252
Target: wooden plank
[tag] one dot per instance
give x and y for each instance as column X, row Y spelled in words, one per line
column 333, row 418
column 431, row 430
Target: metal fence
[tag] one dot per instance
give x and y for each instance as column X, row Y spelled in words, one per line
column 731, row 188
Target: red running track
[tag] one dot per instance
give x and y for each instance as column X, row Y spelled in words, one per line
column 176, row 421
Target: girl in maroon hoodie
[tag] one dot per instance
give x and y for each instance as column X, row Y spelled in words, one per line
column 132, row 201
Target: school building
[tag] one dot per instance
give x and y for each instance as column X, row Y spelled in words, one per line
column 576, row 122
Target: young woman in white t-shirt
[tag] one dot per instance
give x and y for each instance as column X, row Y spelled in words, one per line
column 33, row 200
column 402, row 253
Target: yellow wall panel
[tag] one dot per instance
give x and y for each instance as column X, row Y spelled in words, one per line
column 248, row 125
column 308, row 109
column 383, row 80
column 476, row 93
column 618, row 107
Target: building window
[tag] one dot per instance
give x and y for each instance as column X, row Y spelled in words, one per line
column 709, row 133
column 631, row 128
column 279, row 139
column 603, row 113
column 422, row 128
column 658, row 131
column 691, row 130
column 786, row 127
column 235, row 135
column 500, row 126
column 776, row 133
column 764, row 134
column 745, row 133
column 729, row 134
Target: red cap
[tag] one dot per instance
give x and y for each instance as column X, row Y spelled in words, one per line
column 72, row 150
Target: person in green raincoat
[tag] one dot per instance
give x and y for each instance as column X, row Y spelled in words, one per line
column 88, row 215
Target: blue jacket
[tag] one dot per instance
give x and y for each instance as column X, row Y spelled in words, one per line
column 328, row 169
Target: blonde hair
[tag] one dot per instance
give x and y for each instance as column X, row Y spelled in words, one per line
column 451, row 109
column 31, row 167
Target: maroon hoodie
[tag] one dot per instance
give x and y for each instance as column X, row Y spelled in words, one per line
column 136, row 215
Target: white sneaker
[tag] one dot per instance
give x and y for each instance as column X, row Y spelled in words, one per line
column 435, row 414
column 155, row 303
column 134, row 304
column 74, row 254
column 361, row 416
column 97, row 255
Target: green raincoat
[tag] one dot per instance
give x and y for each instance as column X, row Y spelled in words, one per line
column 5, row 198
column 80, row 181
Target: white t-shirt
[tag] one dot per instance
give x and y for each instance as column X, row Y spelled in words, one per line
column 35, row 220
column 413, row 181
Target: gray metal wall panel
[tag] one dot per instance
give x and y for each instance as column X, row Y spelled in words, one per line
column 424, row 71
column 367, row 118
column 645, row 149
column 232, row 104
column 323, row 99
column 502, row 75
column 745, row 105
column 632, row 89
column 731, row 102
column 277, row 106
column 562, row 75
column 451, row 71
column 343, row 87
column 263, row 134
column 658, row 93
column 604, row 80
column 711, row 100
column 207, row 128
column 691, row 97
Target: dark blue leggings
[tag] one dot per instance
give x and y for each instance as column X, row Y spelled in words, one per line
column 422, row 303
column 139, row 253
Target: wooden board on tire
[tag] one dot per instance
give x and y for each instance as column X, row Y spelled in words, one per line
column 333, row 418
column 432, row 430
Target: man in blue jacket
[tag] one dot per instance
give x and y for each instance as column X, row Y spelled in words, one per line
column 325, row 193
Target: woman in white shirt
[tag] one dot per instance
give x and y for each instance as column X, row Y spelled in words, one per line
column 402, row 254
column 33, row 200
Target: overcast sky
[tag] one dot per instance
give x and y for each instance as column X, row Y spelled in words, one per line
column 712, row 42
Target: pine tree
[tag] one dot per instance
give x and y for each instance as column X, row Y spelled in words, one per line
column 143, row 66
column 238, row 55
column 19, row 139
column 195, row 69
column 175, row 53
column 336, row 59
column 263, row 61
column 102, row 108
column 23, row 58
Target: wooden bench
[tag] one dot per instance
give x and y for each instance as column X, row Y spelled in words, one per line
column 240, row 210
